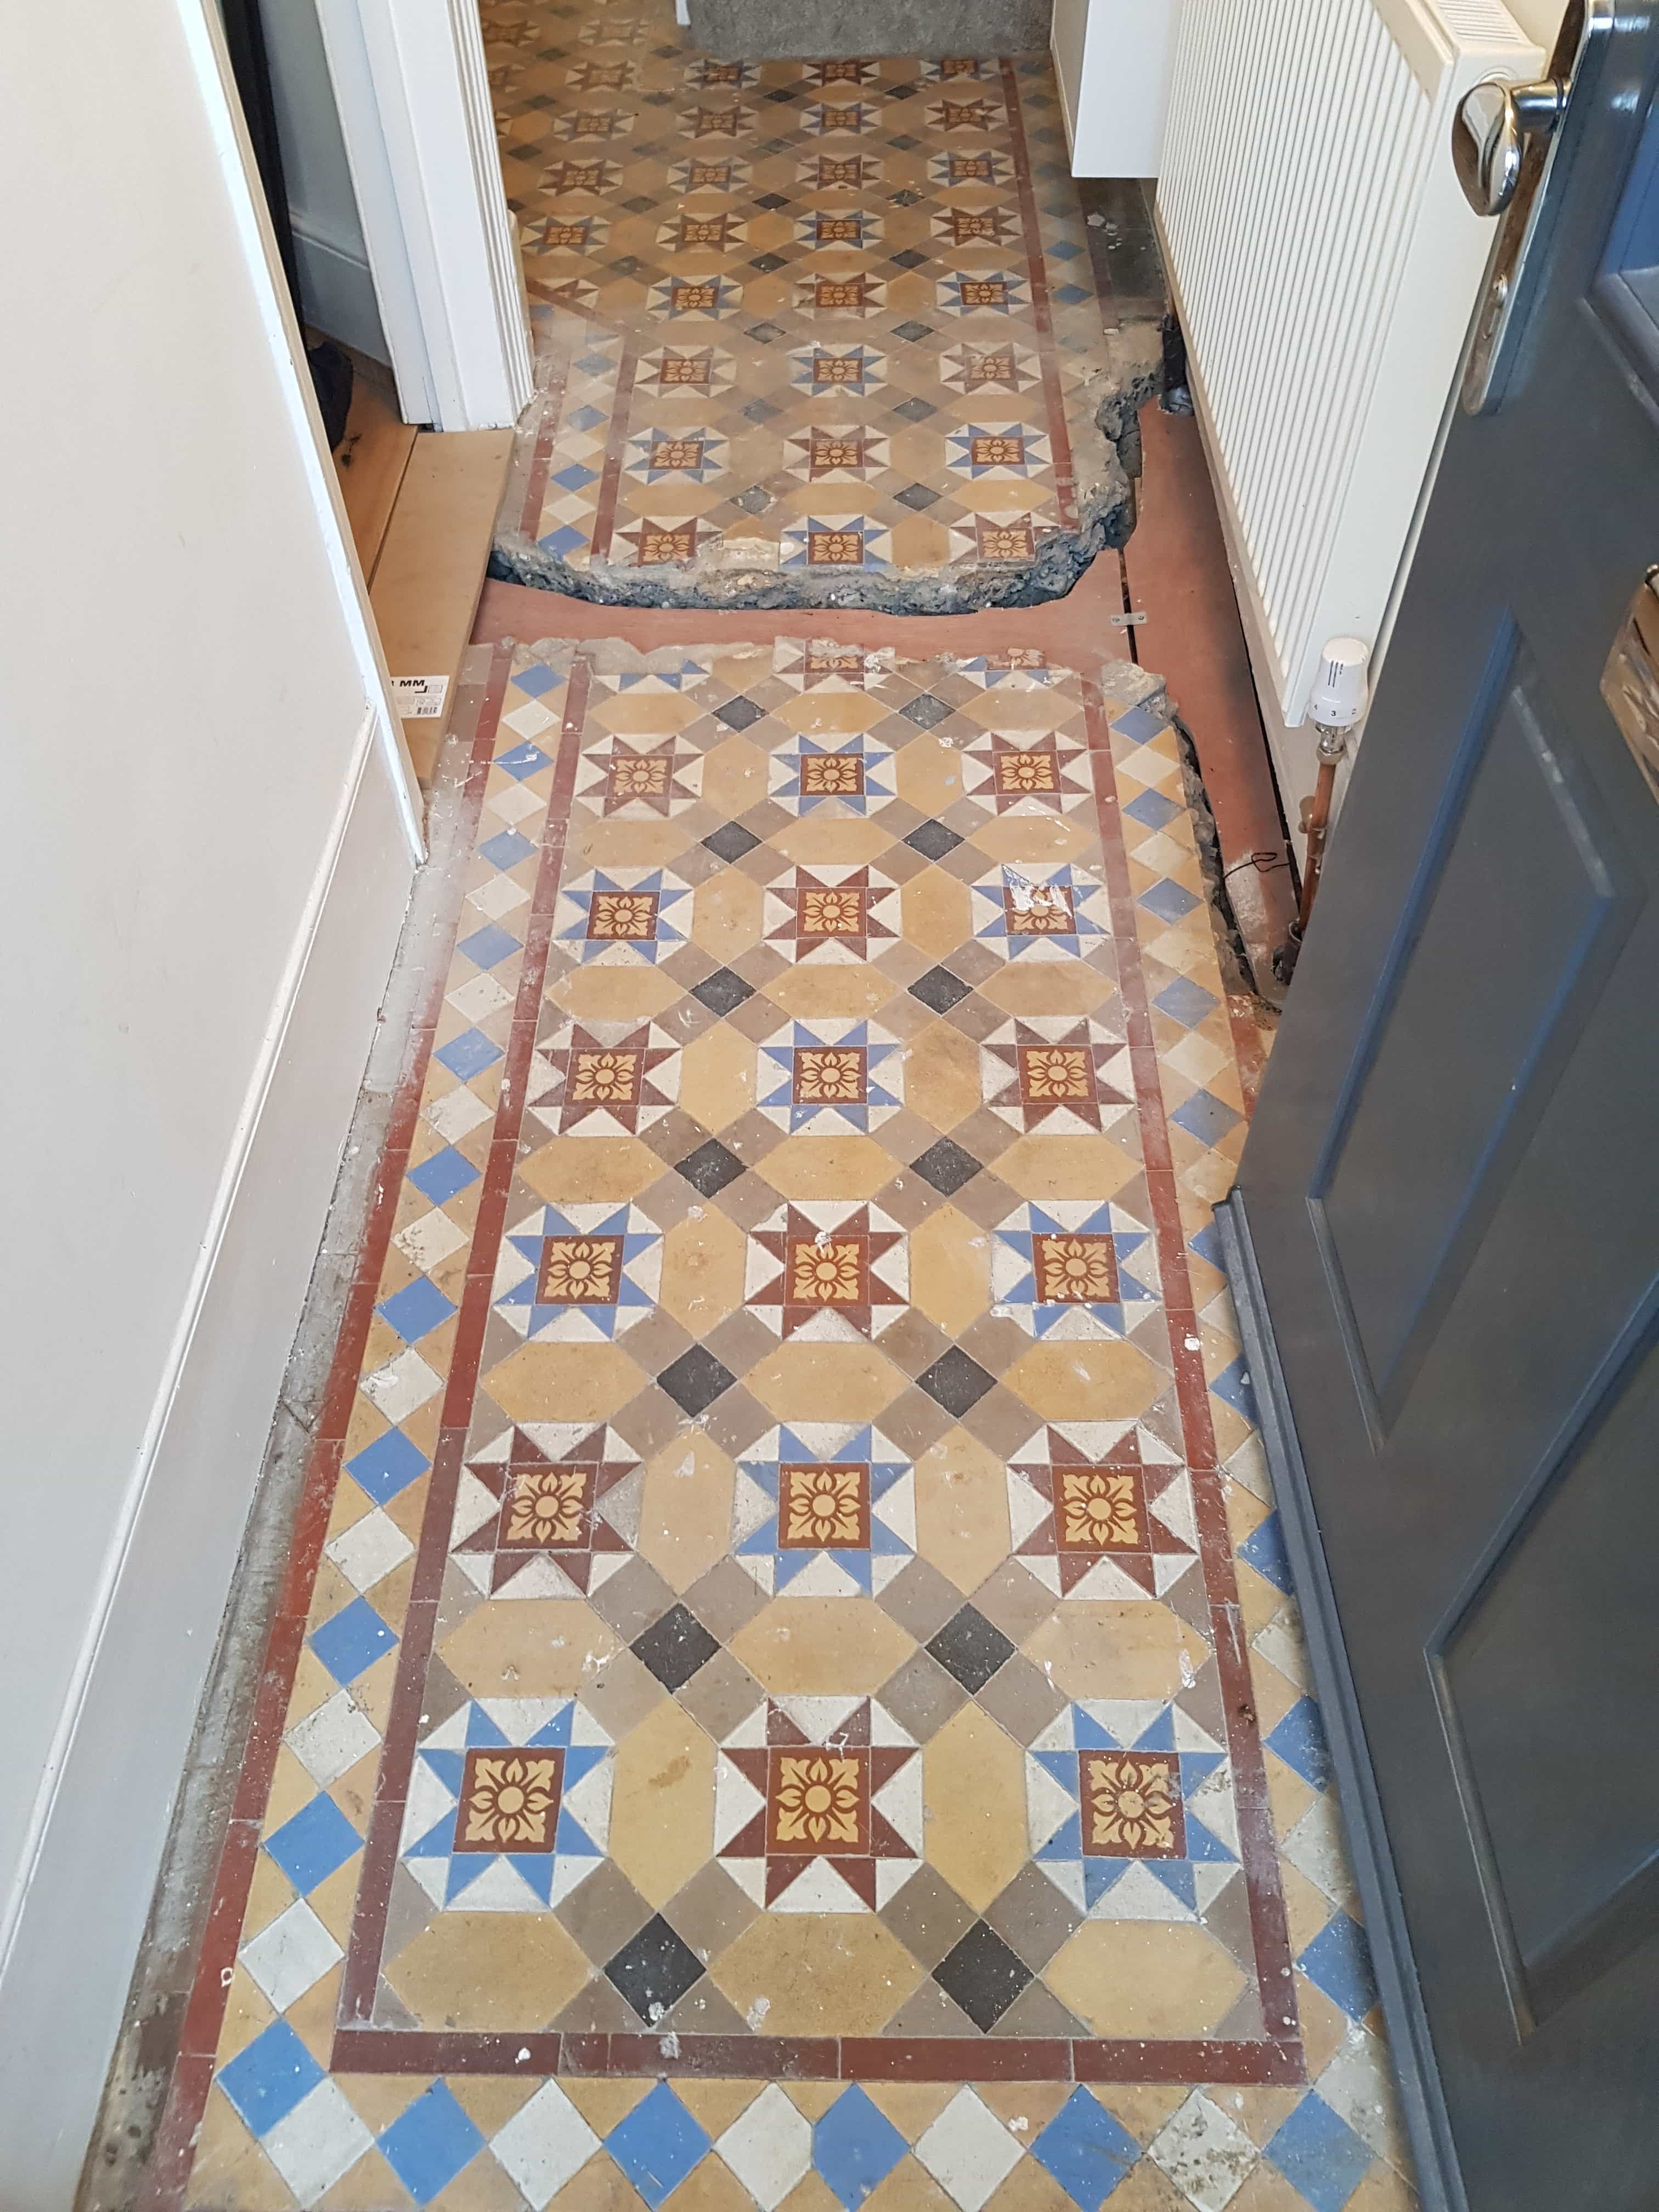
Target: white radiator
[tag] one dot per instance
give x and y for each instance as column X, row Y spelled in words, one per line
column 1325, row 266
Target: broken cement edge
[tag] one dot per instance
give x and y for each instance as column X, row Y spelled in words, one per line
column 1105, row 522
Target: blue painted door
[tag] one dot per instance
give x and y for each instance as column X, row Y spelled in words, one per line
column 1446, row 1237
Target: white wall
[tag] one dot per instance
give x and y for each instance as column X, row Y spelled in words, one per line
column 206, row 859
column 335, row 281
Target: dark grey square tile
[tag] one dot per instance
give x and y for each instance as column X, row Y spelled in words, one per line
column 983, row 1975
column 940, row 989
column 710, row 1168
column 695, row 1379
column 968, row 1647
column 925, row 710
column 675, row 1646
column 730, row 841
column 947, row 1166
column 933, row 839
column 722, row 991
column 955, row 1380
column 653, row 1969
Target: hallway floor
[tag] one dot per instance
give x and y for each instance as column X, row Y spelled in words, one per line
column 785, row 1690
column 808, row 332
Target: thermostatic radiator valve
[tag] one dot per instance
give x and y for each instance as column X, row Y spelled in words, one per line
column 1338, row 699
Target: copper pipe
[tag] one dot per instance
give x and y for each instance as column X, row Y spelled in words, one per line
column 1315, row 824
column 1316, row 827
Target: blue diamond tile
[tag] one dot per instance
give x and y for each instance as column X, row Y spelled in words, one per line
column 1299, row 1740
column 524, row 760
column 1145, row 720
column 469, row 1054
column 1068, row 296
column 488, row 946
column 1151, row 810
column 267, row 2081
column 427, row 2146
column 1265, row 1551
column 855, row 2147
column 353, row 1640
column 592, row 364
column 1168, row 900
column 576, row 477
column 1233, row 1385
column 1207, row 1117
column 310, row 1845
column 443, row 1175
column 563, row 541
column 506, row 848
column 1339, row 1961
column 658, row 2144
column 586, row 418
column 1085, row 2151
column 417, row 1310
column 1183, row 1000
column 534, row 681
column 1318, row 2152
column 390, row 1464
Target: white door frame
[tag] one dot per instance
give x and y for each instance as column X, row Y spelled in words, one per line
column 413, row 93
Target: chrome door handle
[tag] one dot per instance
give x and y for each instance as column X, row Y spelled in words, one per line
column 1490, row 133
column 1506, row 148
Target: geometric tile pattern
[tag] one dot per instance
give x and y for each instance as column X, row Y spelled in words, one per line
column 853, row 355
column 893, row 1778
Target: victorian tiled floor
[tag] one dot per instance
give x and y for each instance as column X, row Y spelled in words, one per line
column 808, row 332
column 787, row 1692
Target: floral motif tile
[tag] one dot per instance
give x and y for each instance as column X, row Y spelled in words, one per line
column 793, row 1690
column 799, row 344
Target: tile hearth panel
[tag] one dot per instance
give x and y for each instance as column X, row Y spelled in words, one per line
column 808, row 332
column 786, row 1593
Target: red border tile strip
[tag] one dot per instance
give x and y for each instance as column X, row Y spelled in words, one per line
column 1060, row 435
column 168, row 2168
column 621, row 414
column 363, row 1964
column 547, row 437
column 1257, row 1849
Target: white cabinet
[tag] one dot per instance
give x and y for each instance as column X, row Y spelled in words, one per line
column 1113, row 58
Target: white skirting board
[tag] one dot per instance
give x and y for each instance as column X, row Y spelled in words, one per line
column 339, row 289
column 66, row 1976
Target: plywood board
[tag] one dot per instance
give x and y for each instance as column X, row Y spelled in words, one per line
column 370, row 461
column 431, row 569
